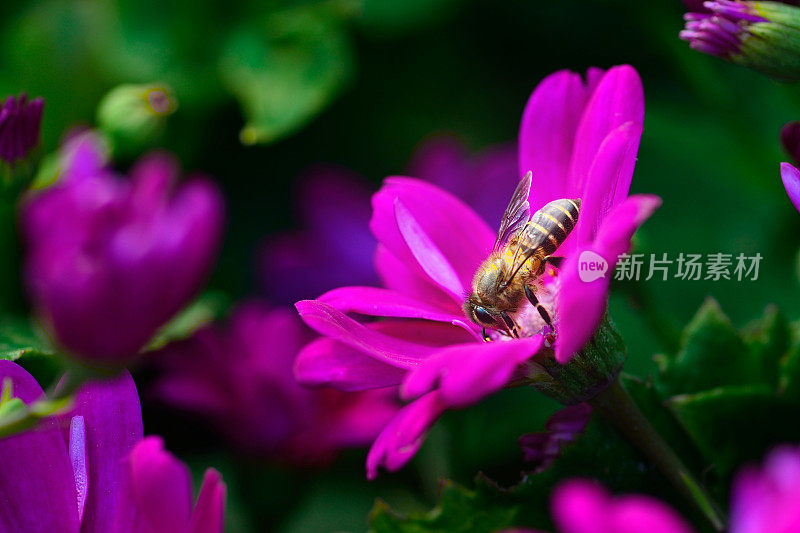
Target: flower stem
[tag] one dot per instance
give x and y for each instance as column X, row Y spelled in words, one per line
column 617, row 406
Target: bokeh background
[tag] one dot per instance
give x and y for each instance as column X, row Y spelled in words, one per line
column 266, row 89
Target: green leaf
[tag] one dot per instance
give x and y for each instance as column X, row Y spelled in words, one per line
column 482, row 509
column 712, row 354
column 18, row 337
column 208, row 307
column 767, row 339
column 732, row 425
column 286, row 68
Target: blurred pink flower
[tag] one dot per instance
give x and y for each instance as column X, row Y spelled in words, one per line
column 791, row 182
column 240, row 377
column 542, row 448
column 582, row 506
column 581, row 139
column 333, row 207
column 90, row 470
column 109, row 261
column 766, row 499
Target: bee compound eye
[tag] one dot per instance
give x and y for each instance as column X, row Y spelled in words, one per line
column 484, row 317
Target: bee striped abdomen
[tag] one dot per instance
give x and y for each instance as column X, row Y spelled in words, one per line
column 550, row 226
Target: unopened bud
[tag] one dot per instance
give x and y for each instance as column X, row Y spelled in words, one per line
column 133, row 116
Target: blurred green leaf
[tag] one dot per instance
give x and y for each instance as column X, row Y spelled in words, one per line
column 210, row 306
column 18, row 337
column 482, row 509
column 732, row 425
column 287, row 67
column 712, row 354
column 768, row 341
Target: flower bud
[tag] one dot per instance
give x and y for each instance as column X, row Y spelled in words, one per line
column 133, row 116
column 761, row 35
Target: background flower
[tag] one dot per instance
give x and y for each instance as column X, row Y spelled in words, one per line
column 109, row 260
column 19, row 127
column 333, row 206
column 240, row 377
column 90, row 470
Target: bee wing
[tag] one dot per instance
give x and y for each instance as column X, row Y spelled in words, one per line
column 517, row 214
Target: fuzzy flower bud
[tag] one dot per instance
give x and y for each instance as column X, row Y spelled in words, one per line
column 761, row 35
column 132, row 116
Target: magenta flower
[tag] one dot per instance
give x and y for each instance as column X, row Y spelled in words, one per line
column 90, row 470
column 765, row 499
column 19, row 127
column 581, row 140
column 791, row 181
column 240, row 377
column 581, row 506
column 109, row 260
column 334, row 211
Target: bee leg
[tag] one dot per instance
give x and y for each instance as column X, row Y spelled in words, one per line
column 510, row 324
column 553, row 260
column 539, row 307
column 486, row 337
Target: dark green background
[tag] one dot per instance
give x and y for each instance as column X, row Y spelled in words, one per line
column 710, row 150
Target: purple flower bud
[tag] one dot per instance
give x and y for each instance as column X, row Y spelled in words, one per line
column 19, row 127
column 760, row 35
column 563, row 428
column 110, row 260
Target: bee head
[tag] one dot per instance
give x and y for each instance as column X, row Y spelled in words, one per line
column 480, row 313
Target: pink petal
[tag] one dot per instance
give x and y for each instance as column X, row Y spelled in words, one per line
column 580, row 506
column 467, row 373
column 332, row 363
column 156, row 492
column 791, row 181
column 209, row 512
column 403, row 436
column 637, row 514
column 333, row 323
column 609, row 178
column 618, row 98
column 373, row 301
column 463, row 239
column 547, row 135
column 427, row 254
column 411, row 281
column 581, row 304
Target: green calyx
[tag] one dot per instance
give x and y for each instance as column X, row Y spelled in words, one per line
column 773, row 47
column 588, row 373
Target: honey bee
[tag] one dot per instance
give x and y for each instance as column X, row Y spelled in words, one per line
column 525, row 245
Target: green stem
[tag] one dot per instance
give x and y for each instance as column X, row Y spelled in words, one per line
column 617, row 406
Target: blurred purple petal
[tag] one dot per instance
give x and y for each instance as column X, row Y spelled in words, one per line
column 209, row 512
column 582, row 506
column 765, row 498
column 37, row 484
column 334, row 210
column 791, row 181
column 156, row 491
column 790, row 139
column 113, row 420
